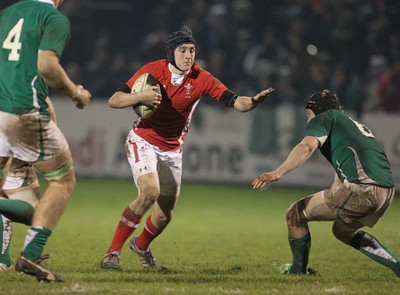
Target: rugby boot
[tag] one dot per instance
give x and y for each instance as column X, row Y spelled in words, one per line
column 38, row 269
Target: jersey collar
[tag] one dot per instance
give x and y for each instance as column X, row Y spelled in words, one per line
column 169, row 68
column 47, row 1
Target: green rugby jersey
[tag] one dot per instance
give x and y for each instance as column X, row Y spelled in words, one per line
column 351, row 148
column 25, row 28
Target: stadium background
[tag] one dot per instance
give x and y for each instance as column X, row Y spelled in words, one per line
column 244, row 230
column 298, row 47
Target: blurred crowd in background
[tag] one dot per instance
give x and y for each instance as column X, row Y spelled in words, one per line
column 298, row 47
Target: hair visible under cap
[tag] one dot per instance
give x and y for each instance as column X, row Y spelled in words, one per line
column 322, row 101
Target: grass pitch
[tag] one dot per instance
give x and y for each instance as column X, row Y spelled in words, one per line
column 222, row 240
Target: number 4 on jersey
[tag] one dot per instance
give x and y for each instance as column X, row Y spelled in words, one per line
column 12, row 41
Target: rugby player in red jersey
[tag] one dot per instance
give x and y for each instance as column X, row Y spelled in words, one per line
column 154, row 145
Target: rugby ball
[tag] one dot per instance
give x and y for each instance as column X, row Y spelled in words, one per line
column 143, row 82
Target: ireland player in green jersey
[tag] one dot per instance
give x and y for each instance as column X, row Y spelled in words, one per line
column 362, row 190
column 33, row 35
column 18, row 198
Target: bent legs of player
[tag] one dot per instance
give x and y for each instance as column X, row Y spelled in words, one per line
column 148, row 192
column 21, row 192
column 148, row 196
column 19, row 203
column 350, row 233
column 366, row 244
column 297, row 218
column 157, row 175
column 155, row 224
column 18, row 198
column 61, row 182
column 351, row 209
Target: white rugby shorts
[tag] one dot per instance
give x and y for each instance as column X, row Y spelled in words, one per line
column 146, row 158
column 30, row 137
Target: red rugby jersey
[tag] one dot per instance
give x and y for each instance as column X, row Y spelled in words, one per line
column 167, row 127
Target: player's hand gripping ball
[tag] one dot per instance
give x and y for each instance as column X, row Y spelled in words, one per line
column 143, row 82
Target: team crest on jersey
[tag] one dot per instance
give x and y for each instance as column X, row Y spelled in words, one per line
column 188, row 88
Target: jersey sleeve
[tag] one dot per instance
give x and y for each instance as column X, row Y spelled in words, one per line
column 212, row 87
column 142, row 70
column 56, row 33
column 320, row 127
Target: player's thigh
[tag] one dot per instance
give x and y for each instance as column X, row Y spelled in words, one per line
column 20, row 174
column 22, row 183
column 31, row 138
column 30, row 194
column 62, row 162
column 142, row 159
column 148, row 186
column 381, row 198
column 170, row 173
column 314, row 208
column 351, row 202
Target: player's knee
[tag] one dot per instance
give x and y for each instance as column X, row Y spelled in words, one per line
column 66, row 183
column 294, row 214
column 63, row 175
column 150, row 193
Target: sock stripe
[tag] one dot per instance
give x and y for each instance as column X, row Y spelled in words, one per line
column 148, row 229
column 128, row 222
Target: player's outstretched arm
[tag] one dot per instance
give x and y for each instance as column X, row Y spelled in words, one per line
column 297, row 157
column 247, row 103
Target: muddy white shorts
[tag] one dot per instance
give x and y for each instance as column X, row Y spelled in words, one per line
column 30, row 137
column 145, row 158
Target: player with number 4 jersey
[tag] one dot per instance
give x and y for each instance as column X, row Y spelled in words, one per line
column 23, row 34
column 33, row 34
column 362, row 190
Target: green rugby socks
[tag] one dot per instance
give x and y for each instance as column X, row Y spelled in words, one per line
column 370, row 246
column 35, row 241
column 300, row 250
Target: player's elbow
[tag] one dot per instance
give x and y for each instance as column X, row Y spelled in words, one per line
column 309, row 144
column 47, row 63
column 45, row 71
column 308, row 149
column 113, row 101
